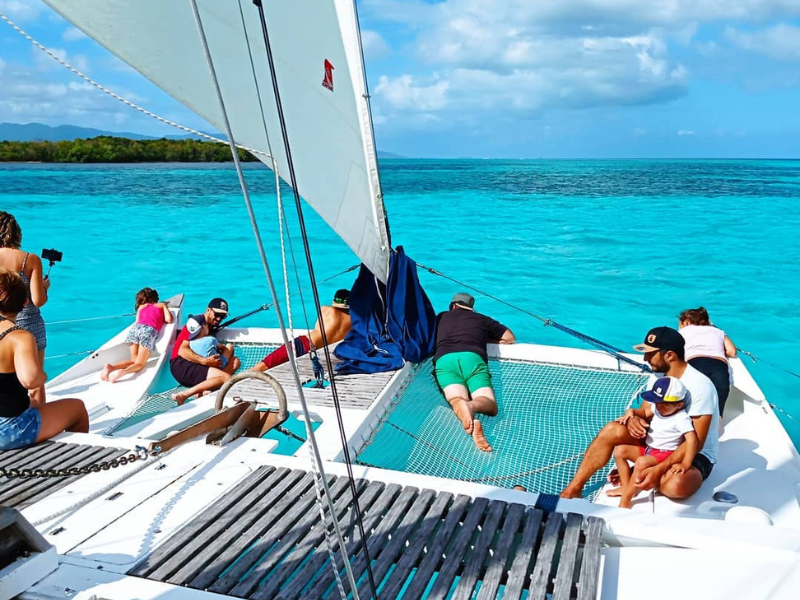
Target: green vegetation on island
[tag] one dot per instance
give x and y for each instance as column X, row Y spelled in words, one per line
column 107, row 149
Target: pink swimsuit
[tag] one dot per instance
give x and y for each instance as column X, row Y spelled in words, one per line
column 152, row 315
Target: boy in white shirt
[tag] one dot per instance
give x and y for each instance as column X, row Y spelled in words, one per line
column 670, row 425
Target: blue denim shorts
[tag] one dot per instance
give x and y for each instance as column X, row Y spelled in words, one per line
column 20, row 431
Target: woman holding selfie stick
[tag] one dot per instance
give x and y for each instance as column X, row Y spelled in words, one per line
column 29, row 267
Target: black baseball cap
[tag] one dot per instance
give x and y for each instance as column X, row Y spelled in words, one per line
column 662, row 338
column 219, row 306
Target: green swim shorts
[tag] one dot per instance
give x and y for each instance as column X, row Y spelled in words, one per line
column 464, row 368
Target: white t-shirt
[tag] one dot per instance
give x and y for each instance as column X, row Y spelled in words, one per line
column 666, row 433
column 703, row 340
column 700, row 400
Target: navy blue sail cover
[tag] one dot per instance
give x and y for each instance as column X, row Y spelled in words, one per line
column 391, row 323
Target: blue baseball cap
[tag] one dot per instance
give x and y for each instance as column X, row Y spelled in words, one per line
column 666, row 389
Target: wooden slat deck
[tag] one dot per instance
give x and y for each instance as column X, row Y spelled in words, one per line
column 19, row 493
column 264, row 540
column 355, row 391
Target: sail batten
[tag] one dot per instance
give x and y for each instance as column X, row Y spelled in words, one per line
column 319, row 71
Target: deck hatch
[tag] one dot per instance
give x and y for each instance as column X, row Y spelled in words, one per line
column 264, row 540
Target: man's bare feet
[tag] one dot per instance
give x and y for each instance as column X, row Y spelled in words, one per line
column 180, row 397
column 462, row 410
column 104, row 373
column 479, row 438
column 571, row 492
column 614, row 492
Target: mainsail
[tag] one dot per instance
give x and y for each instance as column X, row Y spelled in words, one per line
column 318, row 65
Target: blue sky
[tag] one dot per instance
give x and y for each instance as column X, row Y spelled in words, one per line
column 496, row 78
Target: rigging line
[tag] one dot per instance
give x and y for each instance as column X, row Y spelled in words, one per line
column 755, row 358
column 334, row 393
column 49, row 323
column 105, row 90
column 268, row 273
column 80, row 353
column 271, row 304
column 605, row 347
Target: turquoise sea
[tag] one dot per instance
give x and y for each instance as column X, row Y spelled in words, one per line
column 610, row 248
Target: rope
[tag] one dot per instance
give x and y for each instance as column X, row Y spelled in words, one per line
column 777, row 408
column 105, row 90
column 263, row 256
column 600, row 345
column 312, row 278
column 49, row 323
column 81, row 353
column 754, row 358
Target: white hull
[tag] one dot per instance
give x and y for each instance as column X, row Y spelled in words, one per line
column 100, row 541
column 108, row 403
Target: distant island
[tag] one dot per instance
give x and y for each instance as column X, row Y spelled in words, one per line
column 36, row 142
column 107, row 149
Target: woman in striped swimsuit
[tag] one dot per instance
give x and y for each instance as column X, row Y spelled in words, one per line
column 29, row 267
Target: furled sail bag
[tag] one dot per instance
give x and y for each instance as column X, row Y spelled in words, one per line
column 391, row 323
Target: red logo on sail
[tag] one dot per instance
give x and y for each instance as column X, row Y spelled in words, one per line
column 328, row 80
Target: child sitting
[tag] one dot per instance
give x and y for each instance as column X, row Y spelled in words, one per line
column 670, row 425
column 201, row 342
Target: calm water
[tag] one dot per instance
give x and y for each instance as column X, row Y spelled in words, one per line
column 610, row 248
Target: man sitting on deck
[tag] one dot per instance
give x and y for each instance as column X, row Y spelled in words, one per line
column 337, row 324
column 201, row 374
column 664, row 349
column 460, row 363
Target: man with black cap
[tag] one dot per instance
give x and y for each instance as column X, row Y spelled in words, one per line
column 336, row 323
column 201, row 374
column 663, row 349
column 461, row 363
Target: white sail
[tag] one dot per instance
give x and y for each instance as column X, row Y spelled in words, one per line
column 319, row 71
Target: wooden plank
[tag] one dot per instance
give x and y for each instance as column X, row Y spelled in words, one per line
column 459, row 548
column 315, row 543
column 32, row 490
column 388, row 554
column 416, row 545
column 308, row 527
column 11, row 457
column 497, row 567
column 562, row 589
column 37, row 461
column 32, row 460
column 432, row 559
column 371, row 517
column 201, row 530
column 518, row 573
column 590, row 564
column 540, row 578
column 244, row 532
column 378, row 537
column 480, row 552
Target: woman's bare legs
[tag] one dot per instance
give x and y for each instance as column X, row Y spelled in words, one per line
column 62, row 415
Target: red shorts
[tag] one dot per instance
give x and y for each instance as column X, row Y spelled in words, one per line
column 659, row 455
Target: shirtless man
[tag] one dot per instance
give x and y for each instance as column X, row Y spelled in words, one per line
column 335, row 318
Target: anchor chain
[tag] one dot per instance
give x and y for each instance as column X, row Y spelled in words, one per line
column 140, row 453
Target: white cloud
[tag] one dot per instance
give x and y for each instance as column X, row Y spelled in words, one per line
column 685, row 133
column 375, row 47
column 73, row 34
column 781, row 42
column 405, row 93
column 21, row 10
column 45, row 62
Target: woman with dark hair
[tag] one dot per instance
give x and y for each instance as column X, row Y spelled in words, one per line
column 23, row 424
column 708, row 350
column 29, row 267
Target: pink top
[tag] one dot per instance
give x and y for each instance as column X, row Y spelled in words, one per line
column 704, row 340
column 151, row 315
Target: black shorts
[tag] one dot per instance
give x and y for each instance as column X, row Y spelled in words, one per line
column 187, row 373
column 702, row 464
